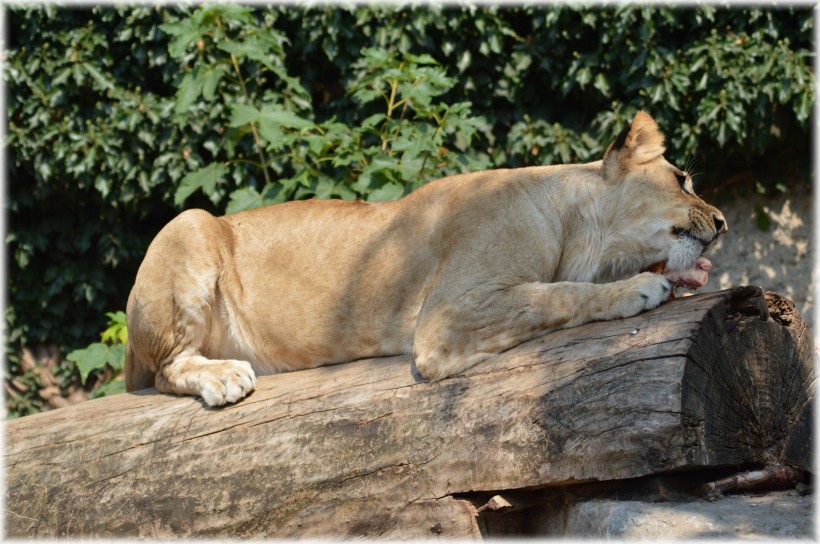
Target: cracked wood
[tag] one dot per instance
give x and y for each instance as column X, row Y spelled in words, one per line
column 367, row 449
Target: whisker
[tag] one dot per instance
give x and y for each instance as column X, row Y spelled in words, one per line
column 690, row 162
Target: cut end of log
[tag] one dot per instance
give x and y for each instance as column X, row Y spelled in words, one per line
column 781, row 309
column 748, row 301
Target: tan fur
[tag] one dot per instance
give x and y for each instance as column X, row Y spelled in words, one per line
column 458, row 271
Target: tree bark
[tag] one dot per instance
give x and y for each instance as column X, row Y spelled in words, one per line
column 368, row 449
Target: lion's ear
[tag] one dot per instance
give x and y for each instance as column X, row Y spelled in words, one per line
column 640, row 142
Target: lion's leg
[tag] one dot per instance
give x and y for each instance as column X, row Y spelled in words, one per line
column 454, row 335
column 173, row 315
column 187, row 370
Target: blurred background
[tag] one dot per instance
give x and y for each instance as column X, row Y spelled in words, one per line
column 118, row 118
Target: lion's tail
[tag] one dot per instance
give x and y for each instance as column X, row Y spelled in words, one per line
column 137, row 375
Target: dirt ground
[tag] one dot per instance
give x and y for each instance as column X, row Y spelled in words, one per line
column 779, row 259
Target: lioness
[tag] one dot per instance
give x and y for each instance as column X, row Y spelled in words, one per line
column 460, row 270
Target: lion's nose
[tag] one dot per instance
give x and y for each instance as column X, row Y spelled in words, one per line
column 720, row 223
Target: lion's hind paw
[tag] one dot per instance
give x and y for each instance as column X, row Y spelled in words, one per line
column 218, row 382
column 226, row 382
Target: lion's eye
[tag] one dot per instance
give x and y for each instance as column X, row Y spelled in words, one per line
column 682, row 182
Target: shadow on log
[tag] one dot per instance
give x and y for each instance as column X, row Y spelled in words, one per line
column 367, row 449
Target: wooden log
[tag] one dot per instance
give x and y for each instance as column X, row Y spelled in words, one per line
column 367, row 449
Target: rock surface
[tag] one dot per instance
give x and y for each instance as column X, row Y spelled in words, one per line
column 781, row 514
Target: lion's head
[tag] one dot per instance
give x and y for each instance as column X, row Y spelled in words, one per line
column 656, row 200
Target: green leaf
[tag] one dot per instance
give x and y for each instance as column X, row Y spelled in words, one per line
column 116, row 356
column 204, row 178
column 388, row 191
column 273, row 120
column 762, row 219
column 244, row 199
column 117, row 331
column 274, row 135
column 95, row 357
column 365, row 94
column 114, row 387
column 210, row 80
column 251, row 48
column 584, row 76
column 372, row 120
column 189, row 90
column 408, row 168
column 62, row 77
column 118, row 317
column 324, row 187
column 344, row 192
column 420, row 59
column 231, row 12
column 184, row 32
column 316, row 143
column 242, row 114
column 276, row 116
column 95, row 74
column 805, row 107
column 602, row 84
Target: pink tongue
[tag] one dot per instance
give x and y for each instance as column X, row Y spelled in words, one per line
column 694, row 277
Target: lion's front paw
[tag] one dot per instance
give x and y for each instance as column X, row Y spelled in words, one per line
column 634, row 295
column 653, row 289
column 227, row 381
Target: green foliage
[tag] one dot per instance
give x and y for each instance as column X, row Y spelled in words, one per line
column 24, row 400
column 408, row 137
column 110, row 352
column 92, row 163
column 762, row 219
column 119, row 117
column 95, row 357
column 117, row 331
column 204, row 178
column 557, row 83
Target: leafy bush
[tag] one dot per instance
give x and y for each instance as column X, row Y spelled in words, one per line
column 410, row 138
column 557, row 83
column 119, row 117
column 92, row 163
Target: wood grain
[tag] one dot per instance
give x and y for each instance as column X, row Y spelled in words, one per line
column 368, row 449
